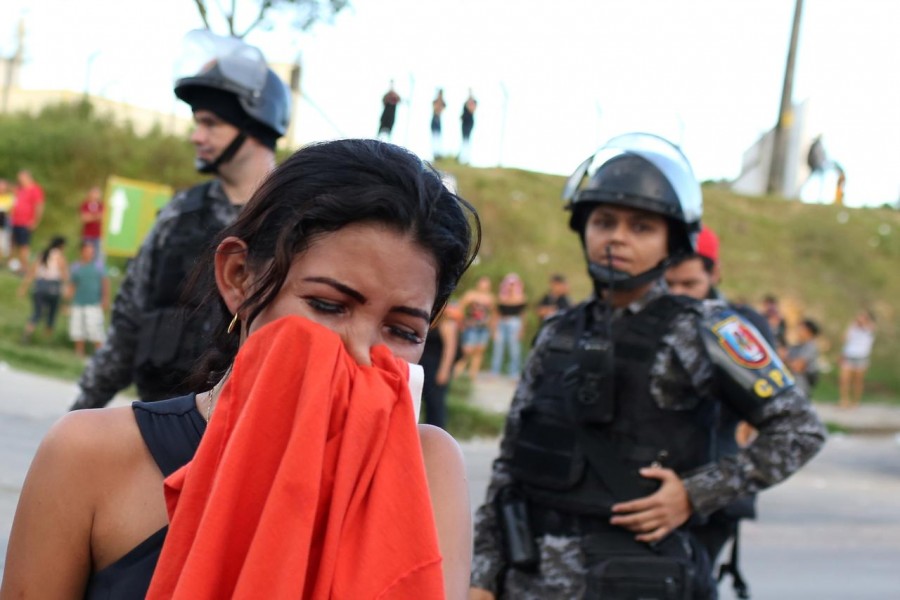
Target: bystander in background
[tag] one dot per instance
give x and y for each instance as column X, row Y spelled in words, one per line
column 858, row 341
column 468, row 123
column 438, row 106
column 27, row 211
column 88, row 291
column 441, row 351
column 803, row 357
column 511, row 303
column 478, row 307
column 556, row 299
column 91, row 221
column 6, row 204
column 389, row 114
column 46, row 279
column 772, row 313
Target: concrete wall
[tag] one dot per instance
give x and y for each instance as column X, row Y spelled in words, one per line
column 757, row 159
column 142, row 119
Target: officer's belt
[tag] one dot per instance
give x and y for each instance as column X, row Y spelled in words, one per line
column 599, row 534
column 549, row 521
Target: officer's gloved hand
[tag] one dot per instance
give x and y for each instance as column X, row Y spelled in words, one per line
column 655, row 516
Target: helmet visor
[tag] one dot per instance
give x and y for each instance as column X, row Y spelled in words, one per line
column 239, row 66
column 661, row 153
column 575, row 180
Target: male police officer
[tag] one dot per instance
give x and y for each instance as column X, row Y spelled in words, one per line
column 240, row 109
column 608, row 449
column 696, row 276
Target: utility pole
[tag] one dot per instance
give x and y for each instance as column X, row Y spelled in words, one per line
column 412, row 87
column 87, row 73
column 296, row 80
column 12, row 64
column 786, row 114
column 503, row 123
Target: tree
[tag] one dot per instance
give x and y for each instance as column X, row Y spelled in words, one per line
column 306, row 13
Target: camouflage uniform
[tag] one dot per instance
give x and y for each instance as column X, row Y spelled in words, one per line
column 789, row 434
column 112, row 368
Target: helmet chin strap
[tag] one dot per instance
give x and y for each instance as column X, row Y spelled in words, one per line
column 606, row 278
column 227, row 154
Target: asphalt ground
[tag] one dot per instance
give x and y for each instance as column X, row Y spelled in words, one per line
column 830, row 532
column 494, row 393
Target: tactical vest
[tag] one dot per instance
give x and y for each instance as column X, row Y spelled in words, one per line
column 593, row 422
column 174, row 330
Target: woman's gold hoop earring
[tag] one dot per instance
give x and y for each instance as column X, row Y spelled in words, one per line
column 231, row 325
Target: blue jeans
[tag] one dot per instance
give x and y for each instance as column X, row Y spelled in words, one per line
column 45, row 295
column 507, row 339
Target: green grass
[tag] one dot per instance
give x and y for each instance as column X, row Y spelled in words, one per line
column 465, row 420
column 51, row 355
column 55, row 357
column 835, row 428
column 824, row 262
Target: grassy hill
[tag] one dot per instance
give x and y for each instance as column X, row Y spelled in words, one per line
column 824, row 262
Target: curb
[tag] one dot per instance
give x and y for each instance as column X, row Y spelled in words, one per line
column 493, row 394
column 866, row 419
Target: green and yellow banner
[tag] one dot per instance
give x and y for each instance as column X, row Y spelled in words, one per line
column 129, row 210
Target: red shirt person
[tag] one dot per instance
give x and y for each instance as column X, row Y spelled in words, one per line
column 26, row 214
column 91, row 215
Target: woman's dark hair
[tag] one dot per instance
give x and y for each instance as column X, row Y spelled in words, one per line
column 811, row 326
column 320, row 189
column 58, row 241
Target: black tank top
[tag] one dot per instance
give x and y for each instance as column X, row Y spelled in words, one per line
column 511, row 310
column 172, row 430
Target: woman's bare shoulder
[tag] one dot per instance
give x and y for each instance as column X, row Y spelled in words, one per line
column 76, row 465
column 86, row 454
column 94, row 438
column 441, row 451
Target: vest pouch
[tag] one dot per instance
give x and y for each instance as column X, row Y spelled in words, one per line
column 644, row 578
column 621, row 568
column 519, row 547
column 594, row 400
column 546, row 453
column 160, row 337
column 593, row 395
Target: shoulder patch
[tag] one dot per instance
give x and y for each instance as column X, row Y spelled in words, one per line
column 743, row 355
column 742, row 343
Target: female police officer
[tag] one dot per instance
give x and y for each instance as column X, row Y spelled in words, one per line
column 609, row 445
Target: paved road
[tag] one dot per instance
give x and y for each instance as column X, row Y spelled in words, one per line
column 831, row 532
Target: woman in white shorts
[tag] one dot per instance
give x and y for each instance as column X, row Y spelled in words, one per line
column 858, row 341
column 89, row 293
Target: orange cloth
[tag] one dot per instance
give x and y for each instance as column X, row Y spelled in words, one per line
column 309, row 482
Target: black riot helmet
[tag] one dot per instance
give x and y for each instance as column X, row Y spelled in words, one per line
column 232, row 79
column 640, row 171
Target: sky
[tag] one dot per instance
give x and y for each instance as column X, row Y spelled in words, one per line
column 553, row 79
